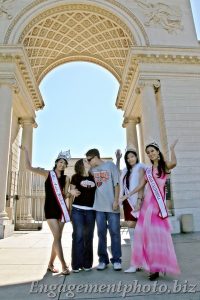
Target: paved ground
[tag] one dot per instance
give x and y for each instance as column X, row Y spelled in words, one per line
column 24, row 257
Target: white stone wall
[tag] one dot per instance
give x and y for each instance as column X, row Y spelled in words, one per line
column 180, row 96
column 167, row 23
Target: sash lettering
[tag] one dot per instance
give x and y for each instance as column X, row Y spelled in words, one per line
column 59, row 197
column 154, row 187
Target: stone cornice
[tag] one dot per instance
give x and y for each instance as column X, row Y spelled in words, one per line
column 152, row 55
column 17, row 56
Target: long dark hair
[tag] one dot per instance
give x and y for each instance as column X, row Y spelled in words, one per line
column 162, row 167
column 128, row 166
column 79, row 167
column 57, row 160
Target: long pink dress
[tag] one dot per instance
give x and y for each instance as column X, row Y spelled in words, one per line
column 153, row 245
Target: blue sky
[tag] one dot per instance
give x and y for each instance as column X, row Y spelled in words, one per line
column 80, row 111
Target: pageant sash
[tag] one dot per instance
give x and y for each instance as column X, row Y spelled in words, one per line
column 155, row 189
column 134, row 213
column 59, row 197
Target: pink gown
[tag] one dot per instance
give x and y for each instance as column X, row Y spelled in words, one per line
column 153, row 245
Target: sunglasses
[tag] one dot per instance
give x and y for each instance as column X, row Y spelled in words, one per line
column 89, row 159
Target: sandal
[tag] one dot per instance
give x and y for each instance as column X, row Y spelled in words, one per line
column 52, row 269
column 153, row 276
column 66, row 271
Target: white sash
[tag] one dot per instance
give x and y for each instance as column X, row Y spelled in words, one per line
column 155, row 189
column 59, row 197
column 134, row 213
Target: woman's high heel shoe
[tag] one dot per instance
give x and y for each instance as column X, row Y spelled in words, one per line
column 153, row 276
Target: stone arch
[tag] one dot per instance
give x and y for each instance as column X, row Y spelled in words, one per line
column 103, row 35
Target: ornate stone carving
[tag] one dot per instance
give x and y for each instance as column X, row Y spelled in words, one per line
column 76, row 32
column 169, row 17
column 5, row 7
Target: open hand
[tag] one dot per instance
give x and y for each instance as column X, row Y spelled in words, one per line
column 118, row 153
column 75, row 192
column 123, row 198
column 173, row 144
column 115, row 205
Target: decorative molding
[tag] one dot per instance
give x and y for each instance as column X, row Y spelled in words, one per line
column 113, row 2
column 76, row 30
column 5, row 8
column 152, row 56
column 128, row 121
column 148, row 82
column 168, row 17
column 27, row 121
column 9, row 80
column 16, row 56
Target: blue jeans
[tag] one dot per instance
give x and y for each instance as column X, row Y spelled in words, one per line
column 110, row 221
column 83, row 222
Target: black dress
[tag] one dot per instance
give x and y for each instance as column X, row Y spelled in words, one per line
column 52, row 208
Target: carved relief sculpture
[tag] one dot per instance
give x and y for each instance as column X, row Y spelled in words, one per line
column 4, row 8
column 167, row 16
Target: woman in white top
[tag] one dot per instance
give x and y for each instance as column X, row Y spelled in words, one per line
column 130, row 178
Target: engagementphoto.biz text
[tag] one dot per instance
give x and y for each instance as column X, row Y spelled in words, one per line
column 120, row 288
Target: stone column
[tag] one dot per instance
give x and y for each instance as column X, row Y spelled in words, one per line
column 150, row 123
column 131, row 132
column 140, row 142
column 6, row 102
column 27, row 140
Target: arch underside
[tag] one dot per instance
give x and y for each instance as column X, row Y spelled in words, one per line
column 76, row 32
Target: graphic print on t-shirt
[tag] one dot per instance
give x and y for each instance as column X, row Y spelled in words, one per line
column 100, row 177
column 87, row 183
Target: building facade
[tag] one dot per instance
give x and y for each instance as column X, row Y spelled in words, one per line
column 150, row 46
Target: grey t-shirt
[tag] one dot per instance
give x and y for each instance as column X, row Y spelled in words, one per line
column 106, row 177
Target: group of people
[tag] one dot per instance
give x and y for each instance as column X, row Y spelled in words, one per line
column 95, row 193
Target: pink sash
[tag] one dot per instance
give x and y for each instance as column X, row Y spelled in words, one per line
column 59, row 197
column 157, row 194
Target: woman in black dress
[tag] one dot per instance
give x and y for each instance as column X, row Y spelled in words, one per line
column 56, row 211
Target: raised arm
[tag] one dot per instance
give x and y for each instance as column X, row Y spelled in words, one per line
column 172, row 163
column 29, row 167
column 118, row 155
column 137, row 189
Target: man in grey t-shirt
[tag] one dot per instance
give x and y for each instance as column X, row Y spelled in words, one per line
column 106, row 177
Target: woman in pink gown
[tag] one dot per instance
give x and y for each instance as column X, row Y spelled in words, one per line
column 153, row 247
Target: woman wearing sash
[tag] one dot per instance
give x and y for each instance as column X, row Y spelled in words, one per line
column 153, row 246
column 56, row 212
column 129, row 179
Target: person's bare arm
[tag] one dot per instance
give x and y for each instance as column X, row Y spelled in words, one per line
column 135, row 190
column 116, row 201
column 29, row 167
column 172, row 163
column 118, row 155
column 141, row 176
column 74, row 192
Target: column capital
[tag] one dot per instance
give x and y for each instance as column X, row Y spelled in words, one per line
column 9, row 80
column 128, row 121
column 155, row 83
column 27, row 121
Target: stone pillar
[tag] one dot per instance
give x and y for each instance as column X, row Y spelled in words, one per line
column 6, row 102
column 131, row 132
column 150, row 122
column 140, row 143
column 25, row 176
